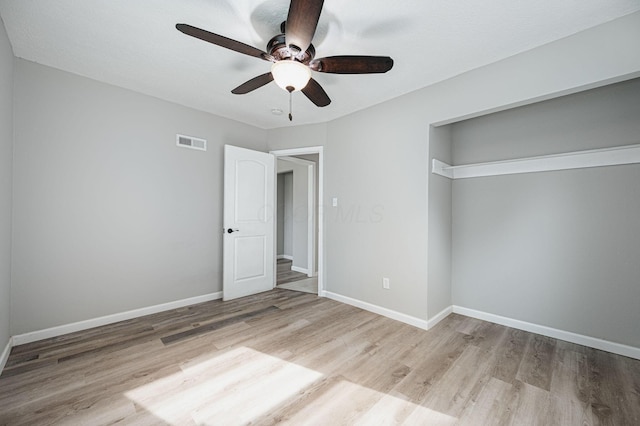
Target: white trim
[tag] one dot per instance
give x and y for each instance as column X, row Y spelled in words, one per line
column 285, row 256
column 592, row 342
column 439, row 317
column 398, row 316
column 297, row 151
column 301, row 270
column 320, row 151
column 33, row 336
column 613, row 156
column 311, row 210
column 311, row 216
column 5, row 354
column 440, row 168
column 294, row 160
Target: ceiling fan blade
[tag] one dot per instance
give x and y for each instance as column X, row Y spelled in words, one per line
column 352, row 64
column 316, row 93
column 302, row 21
column 253, row 84
column 223, row 41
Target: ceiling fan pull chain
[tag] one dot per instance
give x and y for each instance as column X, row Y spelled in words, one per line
column 290, row 105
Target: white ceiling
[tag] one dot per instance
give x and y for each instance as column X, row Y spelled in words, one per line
column 134, row 44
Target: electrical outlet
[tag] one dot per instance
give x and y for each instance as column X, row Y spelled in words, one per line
column 385, row 283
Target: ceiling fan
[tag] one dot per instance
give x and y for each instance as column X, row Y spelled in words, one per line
column 292, row 55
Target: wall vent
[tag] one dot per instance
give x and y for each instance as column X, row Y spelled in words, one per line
column 191, row 142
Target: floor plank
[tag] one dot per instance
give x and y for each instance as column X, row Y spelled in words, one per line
column 537, row 362
column 284, row 274
column 288, row 279
column 286, row 357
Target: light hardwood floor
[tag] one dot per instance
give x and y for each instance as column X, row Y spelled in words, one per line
column 285, row 275
column 292, row 280
column 286, row 357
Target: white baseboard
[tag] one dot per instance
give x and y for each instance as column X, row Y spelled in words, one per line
column 592, row 342
column 439, row 316
column 284, row 256
column 398, row 316
column 5, row 354
column 301, row 270
column 34, row 336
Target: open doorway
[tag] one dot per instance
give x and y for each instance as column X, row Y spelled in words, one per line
column 298, row 220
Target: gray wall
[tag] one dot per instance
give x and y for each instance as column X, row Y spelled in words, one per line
column 288, row 215
column 109, row 214
column 560, row 249
column 300, row 217
column 315, row 158
column 285, row 211
column 297, row 136
column 439, row 267
column 376, row 159
column 376, row 166
column 295, row 211
column 6, row 154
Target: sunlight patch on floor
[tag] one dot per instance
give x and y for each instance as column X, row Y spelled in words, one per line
column 241, row 385
column 233, row 388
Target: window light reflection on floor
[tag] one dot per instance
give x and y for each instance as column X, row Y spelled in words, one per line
column 242, row 384
column 232, row 388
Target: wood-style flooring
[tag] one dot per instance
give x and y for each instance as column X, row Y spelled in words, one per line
column 285, row 357
column 285, row 275
column 292, row 280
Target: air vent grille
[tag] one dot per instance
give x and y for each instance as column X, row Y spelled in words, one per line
column 191, row 142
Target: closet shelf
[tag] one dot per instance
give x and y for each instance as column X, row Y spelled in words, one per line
column 628, row 154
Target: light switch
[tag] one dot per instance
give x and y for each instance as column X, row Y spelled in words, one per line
column 334, row 201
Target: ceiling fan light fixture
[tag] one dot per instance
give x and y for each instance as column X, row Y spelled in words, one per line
column 290, row 74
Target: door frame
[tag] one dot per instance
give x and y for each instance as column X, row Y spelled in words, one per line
column 320, row 197
column 312, row 268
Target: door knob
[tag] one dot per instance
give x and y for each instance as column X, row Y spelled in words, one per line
column 231, row 231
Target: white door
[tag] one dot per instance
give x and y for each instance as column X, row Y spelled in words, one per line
column 248, row 241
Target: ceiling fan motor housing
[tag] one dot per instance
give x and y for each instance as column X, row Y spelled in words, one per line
column 279, row 51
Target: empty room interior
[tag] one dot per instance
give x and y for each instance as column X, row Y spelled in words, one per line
column 428, row 215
